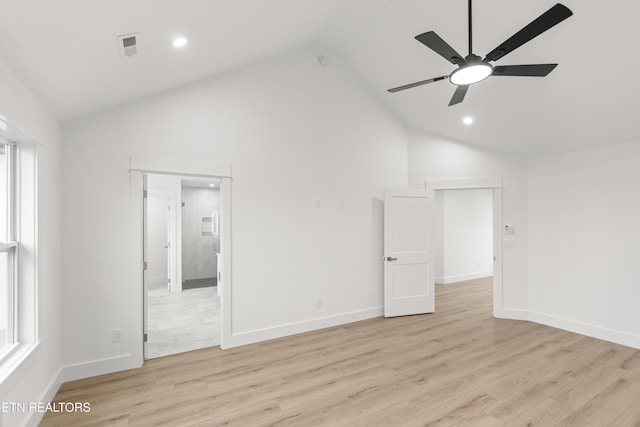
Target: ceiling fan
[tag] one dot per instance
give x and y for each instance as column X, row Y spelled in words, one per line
column 473, row 69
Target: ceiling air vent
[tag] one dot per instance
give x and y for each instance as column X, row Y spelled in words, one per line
column 128, row 45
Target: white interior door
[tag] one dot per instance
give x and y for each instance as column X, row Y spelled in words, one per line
column 409, row 283
column 168, row 246
column 145, row 252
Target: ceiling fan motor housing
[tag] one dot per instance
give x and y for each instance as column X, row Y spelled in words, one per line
column 472, row 58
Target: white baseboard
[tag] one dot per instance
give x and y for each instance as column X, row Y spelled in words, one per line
column 128, row 361
column 511, row 314
column 258, row 335
column 445, row 280
column 46, row 397
column 99, row 367
column 606, row 334
column 582, row 328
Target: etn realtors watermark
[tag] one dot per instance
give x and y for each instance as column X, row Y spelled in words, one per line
column 45, row 407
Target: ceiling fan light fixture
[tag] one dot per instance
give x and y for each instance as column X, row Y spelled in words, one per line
column 470, row 74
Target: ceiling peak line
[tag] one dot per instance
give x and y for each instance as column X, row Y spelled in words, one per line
column 347, row 40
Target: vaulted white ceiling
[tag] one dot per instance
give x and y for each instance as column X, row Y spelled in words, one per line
column 66, row 51
column 590, row 99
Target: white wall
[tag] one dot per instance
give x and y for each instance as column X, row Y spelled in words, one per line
column 158, row 236
column 467, row 235
column 38, row 379
column 432, row 157
column 198, row 251
column 293, row 131
column 584, row 244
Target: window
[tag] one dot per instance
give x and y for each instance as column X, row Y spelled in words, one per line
column 18, row 249
column 8, row 246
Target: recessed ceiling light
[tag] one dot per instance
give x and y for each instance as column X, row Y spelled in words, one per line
column 467, row 120
column 179, row 42
column 212, row 185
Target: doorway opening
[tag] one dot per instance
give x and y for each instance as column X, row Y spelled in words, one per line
column 463, row 242
column 182, row 252
column 494, row 185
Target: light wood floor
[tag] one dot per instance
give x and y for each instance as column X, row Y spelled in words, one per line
column 457, row 367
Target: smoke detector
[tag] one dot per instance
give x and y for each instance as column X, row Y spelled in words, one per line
column 323, row 60
column 128, row 45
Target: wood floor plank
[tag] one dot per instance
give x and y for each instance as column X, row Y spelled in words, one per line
column 630, row 417
column 457, row 367
column 606, row 406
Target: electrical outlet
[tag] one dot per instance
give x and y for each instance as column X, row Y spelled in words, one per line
column 318, row 303
column 116, row 335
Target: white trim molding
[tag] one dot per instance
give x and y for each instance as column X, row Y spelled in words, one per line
column 47, row 396
column 258, row 335
column 140, row 165
column 463, row 277
column 513, row 314
column 100, row 367
column 588, row 329
column 180, row 166
column 494, row 183
column 463, row 183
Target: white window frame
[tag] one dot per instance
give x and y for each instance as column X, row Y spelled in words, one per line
column 11, row 245
column 23, row 245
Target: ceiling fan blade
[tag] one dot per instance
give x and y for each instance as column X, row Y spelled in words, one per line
column 423, row 82
column 458, row 95
column 433, row 41
column 550, row 18
column 537, row 70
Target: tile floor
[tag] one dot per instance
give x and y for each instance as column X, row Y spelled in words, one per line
column 181, row 321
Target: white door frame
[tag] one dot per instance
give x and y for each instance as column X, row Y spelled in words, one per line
column 496, row 185
column 181, row 167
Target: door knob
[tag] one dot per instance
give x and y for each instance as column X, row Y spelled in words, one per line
column 391, row 259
